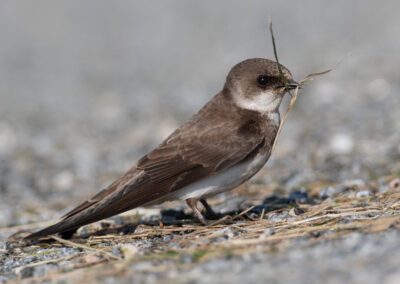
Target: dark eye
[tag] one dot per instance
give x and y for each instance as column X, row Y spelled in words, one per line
column 262, row 80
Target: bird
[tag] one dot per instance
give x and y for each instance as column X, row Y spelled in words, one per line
column 219, row 148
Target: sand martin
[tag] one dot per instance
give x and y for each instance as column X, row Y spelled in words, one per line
column 219, row 148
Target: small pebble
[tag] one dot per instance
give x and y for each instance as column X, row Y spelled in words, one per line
column 395, row 184
column 186, row 258
column 330, row 191
column 364, row 193
column 129, row 251
column 44, row 269
column 26, row 272
column 296, row 211
column 342, row 143
column 267, row 232
column 279, row 217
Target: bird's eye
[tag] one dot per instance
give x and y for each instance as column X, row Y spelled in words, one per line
column 262, row 80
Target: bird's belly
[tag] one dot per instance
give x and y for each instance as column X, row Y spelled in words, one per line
column 221, row 182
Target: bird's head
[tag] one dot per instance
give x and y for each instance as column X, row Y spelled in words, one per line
column 256, row 84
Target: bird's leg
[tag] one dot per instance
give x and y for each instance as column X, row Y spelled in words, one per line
column 192, row 202
column 210, row 214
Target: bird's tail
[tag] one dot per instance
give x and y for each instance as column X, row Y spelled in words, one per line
column 107, row 204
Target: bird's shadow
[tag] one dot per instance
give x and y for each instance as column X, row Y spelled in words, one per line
column 169, row 217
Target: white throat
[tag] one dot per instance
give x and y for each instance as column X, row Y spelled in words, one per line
column 263, row 102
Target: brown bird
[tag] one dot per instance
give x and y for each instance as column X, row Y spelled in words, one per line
column 220, row 147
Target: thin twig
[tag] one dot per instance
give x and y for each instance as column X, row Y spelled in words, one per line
column 262, row 214
column 243, row 212
column 294, row 97
column 292, row 101
column 277, row 60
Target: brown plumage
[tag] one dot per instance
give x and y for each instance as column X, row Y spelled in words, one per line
column 222, row 135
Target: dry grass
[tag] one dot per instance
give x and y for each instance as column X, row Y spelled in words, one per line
column 309, row 77
column 232, row 235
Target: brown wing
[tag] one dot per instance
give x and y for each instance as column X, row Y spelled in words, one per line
column 208, row 150
column 193, row 151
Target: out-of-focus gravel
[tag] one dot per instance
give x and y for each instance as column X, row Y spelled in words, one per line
column 357, row 258
column 341, row 261
column 85, row 91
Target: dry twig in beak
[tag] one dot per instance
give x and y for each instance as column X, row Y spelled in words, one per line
column 296, row 91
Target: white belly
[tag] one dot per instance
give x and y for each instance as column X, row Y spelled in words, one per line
column 221, row 182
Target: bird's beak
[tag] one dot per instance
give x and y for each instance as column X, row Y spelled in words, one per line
column 292, row 84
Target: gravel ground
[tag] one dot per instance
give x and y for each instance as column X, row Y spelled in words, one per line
column 370, row 258
column 327, row 262
column 86, row 92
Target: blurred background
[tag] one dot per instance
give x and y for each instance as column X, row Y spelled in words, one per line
column 87, row 87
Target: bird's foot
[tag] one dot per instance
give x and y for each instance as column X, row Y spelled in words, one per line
column 192, row 202
column 210, row 214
